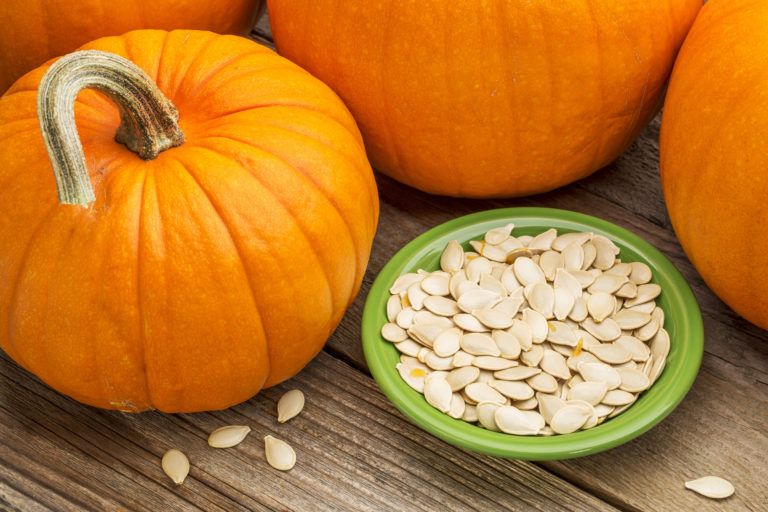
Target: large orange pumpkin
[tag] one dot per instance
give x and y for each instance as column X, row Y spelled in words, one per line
column 500, row 98
column 714, row 163
column 216, row 266
column 34, row 31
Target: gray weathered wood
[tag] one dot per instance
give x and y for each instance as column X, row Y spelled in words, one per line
column 355, row 452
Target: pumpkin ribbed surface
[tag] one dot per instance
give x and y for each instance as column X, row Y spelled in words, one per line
column 199, row 277
column 501, row 98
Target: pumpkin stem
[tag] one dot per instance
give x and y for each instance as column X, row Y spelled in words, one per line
column 148, row 120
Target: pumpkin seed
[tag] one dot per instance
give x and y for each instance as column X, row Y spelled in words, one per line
column 537, row 323
column 564, row 303
column 404, row 282
column 527, row 272
column 438, row 392
column 579, row 310
column 456, row 279
column 232, row 435
column 394, row 306
column 508, row 344
column 554, row 364
column 436, row 284
column 627, row 291
column 498, row 235
column 573, row 257
column 583, row 357
column 512, row 420
column 514, row 389
column 601, row 305
column 590, row 253
column 566, row 280
column 629, row 320
column 479, row 344
column 289, row 405
column 605, row 252
column 413, row 374
column 645, row 293
column 427, row 317
column 176, row 465
column 493, row 364
column 533, row 356
column 478, row 267
column 405, row 318
column 564, row 240
column 602, row 410
column 548, row 405
column 442, row 306
column 469, row 323
column 647, row 331
column 569, row 418
column 409, row 347
column 607, row 283
column 607, row 330
column 584, row 277
column 633, row 380
column 639, row 350
column 438, row 363
column 426, row 334
column 600, row 372
column 561, row 333
column 711, row 487
column 457, row 407
column 461, row 359
column 541, row 297
column 279, row 454
column 618, row 397
column 486, row 415
column 543, row 241
column 549, row 262
column 393, row 332
column 516, row 373
column 522, row 331
column 470, row 413
column 452, row 258
column 611, row 353
column 641, row 273
column 543, row 382
column 477, row 299
column 448, row 342
column 459, row 378
column 482, row 392
column 493, row 318
column 590, row 392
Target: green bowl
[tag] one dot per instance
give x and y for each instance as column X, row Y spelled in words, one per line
column 682, row 321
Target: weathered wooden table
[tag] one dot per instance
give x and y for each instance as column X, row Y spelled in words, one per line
column 356, row 452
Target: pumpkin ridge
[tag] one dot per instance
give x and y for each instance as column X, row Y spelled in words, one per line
column 139, row 303
column 239, row 253
column 372, row 193
column 17, row 281
column 314, row 184
column 284, row 206
column 202, row 84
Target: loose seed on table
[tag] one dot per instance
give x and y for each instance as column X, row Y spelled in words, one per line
column 279, row 454
column 711, row 487
column 229, row 436
column 176, row 465
column 290, row 405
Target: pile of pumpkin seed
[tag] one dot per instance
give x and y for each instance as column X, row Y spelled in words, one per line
column 529, row 335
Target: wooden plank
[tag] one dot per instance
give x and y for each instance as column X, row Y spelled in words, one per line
column 355, row 453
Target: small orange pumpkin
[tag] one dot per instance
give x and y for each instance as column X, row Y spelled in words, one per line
column 500, row 98
column 215, row 264
column 714, row 164
column 33, row 32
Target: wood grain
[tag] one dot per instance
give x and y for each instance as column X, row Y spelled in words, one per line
column 355, row 452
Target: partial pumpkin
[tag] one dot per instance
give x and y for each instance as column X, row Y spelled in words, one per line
column 483, row 99
column 714, row 163
column 199, row 276
column 35, row 31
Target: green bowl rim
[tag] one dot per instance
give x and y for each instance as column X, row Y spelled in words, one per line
column 673, row 385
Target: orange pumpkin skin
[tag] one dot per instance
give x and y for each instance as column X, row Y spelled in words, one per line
column 481, row 99
column 713, row 158
column 33, row 32
column 199, row 277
